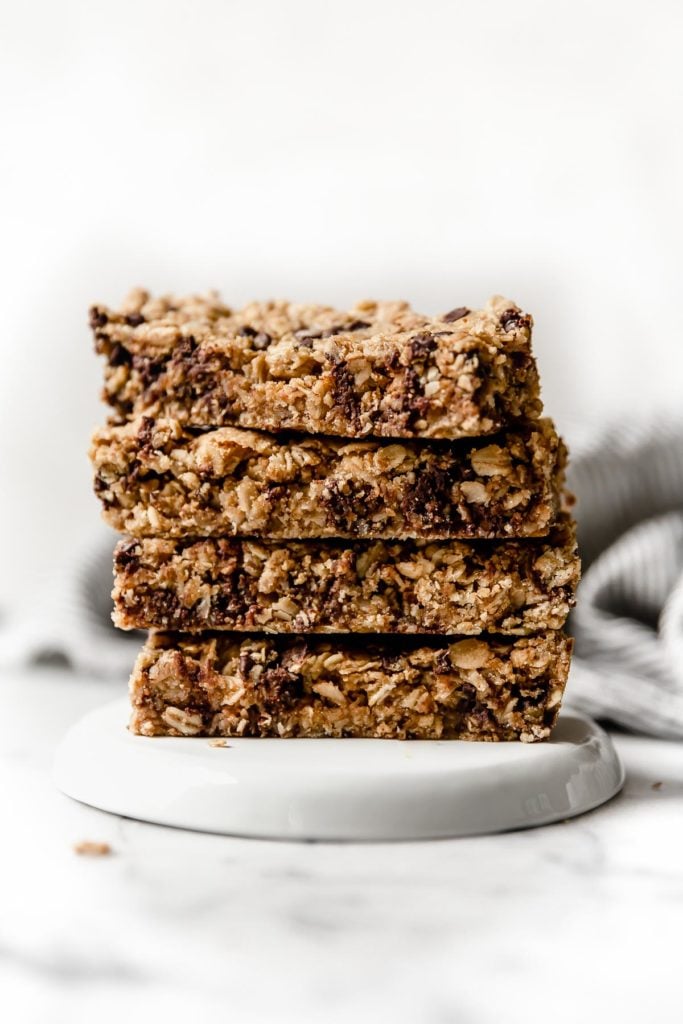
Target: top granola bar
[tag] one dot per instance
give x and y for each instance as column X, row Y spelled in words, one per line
column 379, row 369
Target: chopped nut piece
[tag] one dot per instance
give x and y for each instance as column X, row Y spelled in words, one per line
column 469, row 654
column 181, row 722
column 475, row 492
column 491, row 461
column 329, row 691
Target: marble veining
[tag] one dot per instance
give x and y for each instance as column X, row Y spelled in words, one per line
column 576, row 919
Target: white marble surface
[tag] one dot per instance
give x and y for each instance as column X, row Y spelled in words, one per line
column 580, row 920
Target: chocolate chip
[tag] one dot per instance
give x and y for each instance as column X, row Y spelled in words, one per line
column 186, row 346
column 355, row 325
column 350, row 505
column 306, row 334
column 135, row 319
column 414, row 400
column 145, row 434
column 163, row 608
column 127, row 556
column 428, row 503
column 278, row 690
column 275, row 492
column 230, row 603
column 253, row 724
column 101, row 488
column 119, row 356
column 97, row 318
column 468, row 698
column 261, row 340
column 455, row 314
column 246, row 663
column 344, row 390
column 512, row 319
column 549, row 715
column 421, row 345
column 148, row 368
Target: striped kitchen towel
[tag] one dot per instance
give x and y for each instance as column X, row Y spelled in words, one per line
column 628, row 622
column 69, row 621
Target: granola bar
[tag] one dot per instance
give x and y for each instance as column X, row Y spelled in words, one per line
column 155, row 479
column 509, row 587
column 226, row 685
column 379, row 369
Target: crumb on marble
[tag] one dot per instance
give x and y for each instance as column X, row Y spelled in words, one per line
column 89, row 848
column 657, row 785
column 218, row 742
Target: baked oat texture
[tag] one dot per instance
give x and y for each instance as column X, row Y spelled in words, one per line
column 227, row 685
column 379, row 369
column 155, row 479
column 509, row 587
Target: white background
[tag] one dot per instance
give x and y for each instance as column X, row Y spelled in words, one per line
column 434, row 151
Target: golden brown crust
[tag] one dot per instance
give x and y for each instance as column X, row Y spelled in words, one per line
column 510, row 587
column 155, row 479
column 379, row 369
column 227, row 685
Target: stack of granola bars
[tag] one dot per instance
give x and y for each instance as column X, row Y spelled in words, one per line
column 337, row 523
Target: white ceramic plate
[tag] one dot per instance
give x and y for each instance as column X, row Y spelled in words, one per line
column 337, row 789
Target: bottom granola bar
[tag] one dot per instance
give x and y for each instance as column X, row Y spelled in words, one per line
column 227, row 685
